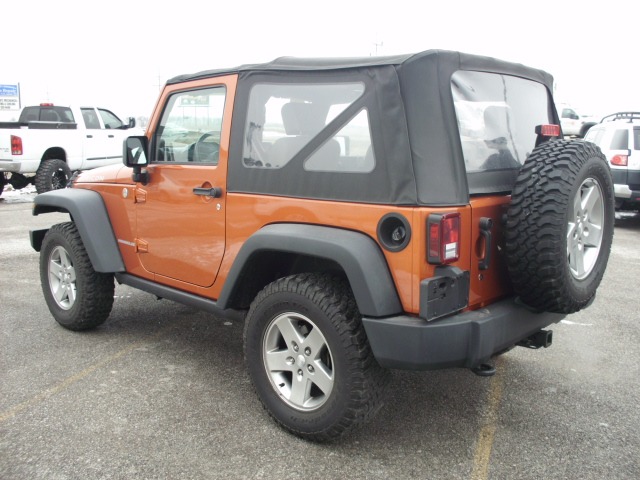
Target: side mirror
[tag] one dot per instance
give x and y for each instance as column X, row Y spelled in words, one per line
column 132, row 122
column 134, row 155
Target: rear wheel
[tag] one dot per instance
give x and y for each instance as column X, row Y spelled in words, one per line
column 560, row 226
column 309, row 359
column 78, row 297
column 52, row 175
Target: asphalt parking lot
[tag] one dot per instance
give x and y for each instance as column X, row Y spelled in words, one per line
column 160, row 392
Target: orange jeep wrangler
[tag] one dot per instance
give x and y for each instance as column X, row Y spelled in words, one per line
column 404, row 212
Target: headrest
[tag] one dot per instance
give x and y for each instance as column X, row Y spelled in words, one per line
column 496, row 121
column 301, row 118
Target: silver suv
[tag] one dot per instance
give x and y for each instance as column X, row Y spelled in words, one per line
column 618, row 136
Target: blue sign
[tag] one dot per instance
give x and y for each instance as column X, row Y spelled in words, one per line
column 8, row 90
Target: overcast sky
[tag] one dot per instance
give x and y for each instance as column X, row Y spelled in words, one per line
column 115, row 54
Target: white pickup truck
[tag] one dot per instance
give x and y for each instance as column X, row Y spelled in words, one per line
column 49, row 142
column 574, row 124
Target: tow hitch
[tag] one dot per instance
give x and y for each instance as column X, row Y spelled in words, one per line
column 539, row 339
column 484, row 370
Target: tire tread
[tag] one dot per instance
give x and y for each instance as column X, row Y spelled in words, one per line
column 95, row 296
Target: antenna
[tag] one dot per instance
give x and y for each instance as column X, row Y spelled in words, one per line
column 376, row 44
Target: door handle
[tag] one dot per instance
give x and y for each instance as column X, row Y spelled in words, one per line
column 213, row 192
column 485, row 230
column 110, row 136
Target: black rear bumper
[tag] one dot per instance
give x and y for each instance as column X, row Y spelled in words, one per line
column 466, row 339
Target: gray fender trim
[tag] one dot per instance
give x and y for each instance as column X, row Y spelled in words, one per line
column 358, row 255
column 89, row 213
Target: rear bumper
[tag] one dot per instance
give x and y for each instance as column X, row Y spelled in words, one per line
column 9, row 166
column 626, row 183
column 623, row 191
column 466, row 339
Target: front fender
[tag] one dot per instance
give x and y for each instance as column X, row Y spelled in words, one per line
column 89, row 213
column 358, row 255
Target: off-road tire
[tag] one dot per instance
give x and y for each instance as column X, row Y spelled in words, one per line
column 562, row 198
column 358, row 382
column 52, row 174
column 78, row 297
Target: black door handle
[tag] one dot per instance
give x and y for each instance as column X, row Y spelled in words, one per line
column 485, row 230
column 213, row 192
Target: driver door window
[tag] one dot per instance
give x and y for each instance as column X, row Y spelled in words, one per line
column 190, row 129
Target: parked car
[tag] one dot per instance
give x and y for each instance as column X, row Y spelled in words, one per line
column 618, row 136
column 574, row 123
column 49, row 142
column 359, row 215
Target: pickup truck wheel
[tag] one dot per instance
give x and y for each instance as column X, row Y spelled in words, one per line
column 309, row 359
column 78, row 297
column 560, row 226
column 52, row 175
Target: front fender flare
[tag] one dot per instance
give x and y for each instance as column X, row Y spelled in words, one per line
column 89, row 213
column 359, row 256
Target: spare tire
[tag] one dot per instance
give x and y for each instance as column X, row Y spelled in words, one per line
column 560, row 226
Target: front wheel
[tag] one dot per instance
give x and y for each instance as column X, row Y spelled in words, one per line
column 78, row 297
column 309, row 359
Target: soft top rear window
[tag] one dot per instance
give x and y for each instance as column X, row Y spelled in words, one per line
column 497, row 115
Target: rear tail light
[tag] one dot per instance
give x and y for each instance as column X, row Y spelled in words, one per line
column 548, row 130
column 443, row 238
column 16, row 145
column 620, row 160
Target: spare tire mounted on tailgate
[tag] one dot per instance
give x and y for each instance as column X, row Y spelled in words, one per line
column 560, row 226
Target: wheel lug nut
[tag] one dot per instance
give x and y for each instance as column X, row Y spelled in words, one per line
column 310, row 368
column 295, row 346
column 300, row 372
column 307, row 351
column 290, row 361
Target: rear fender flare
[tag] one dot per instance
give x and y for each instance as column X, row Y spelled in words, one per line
column 357, row 254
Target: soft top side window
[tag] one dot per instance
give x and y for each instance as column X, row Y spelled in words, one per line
column 286, row 119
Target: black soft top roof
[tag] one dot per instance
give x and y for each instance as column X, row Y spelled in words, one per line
column 419, row 158
column 457, row 60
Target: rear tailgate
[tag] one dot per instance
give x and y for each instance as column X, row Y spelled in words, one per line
column 497, row 119
column 489, row 277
